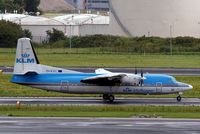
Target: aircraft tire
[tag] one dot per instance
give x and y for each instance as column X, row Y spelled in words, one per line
column 111, row 98
column 105, row 96
column 178, row 98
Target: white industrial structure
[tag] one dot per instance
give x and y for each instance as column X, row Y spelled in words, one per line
column 71, row 24
column 163, row 18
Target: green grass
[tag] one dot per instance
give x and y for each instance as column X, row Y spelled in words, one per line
column 92, row 57
column 102, row 111
column 10, row 89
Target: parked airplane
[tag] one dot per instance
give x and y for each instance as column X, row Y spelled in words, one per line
column 28, row 71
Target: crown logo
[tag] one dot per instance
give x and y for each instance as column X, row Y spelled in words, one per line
column 25, row 55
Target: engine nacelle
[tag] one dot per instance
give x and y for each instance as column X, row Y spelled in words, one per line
column 133, row 80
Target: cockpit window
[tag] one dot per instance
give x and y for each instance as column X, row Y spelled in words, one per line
column 173, row 79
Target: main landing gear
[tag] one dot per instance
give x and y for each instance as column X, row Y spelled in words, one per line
column 108, row 97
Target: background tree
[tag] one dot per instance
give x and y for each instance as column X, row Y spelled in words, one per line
column 55, row 35
column 9, row 34
column 1, row 5
column 31, row 5
column 27, row 33
column 11, row 5
column 20, row 5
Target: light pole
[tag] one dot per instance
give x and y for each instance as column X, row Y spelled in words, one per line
column 171, row 49
column 199, row 23
column 70, row 39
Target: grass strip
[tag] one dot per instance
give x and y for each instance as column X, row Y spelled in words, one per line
column 101, row 111
column 86, row 57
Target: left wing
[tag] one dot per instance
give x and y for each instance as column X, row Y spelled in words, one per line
column 107, row 78
column 104, row 79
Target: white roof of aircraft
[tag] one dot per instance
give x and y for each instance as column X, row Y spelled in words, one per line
column 69, row 19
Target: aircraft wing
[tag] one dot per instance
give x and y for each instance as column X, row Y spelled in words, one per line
column 104, row 79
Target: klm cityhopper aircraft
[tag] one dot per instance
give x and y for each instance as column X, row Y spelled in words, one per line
column 28, row 71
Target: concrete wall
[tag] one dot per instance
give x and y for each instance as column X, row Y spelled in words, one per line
column 155, row 17
column 94, row 29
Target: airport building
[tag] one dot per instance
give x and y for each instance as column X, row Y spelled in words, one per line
column 98, row 5
column 70, row 24
column 164, row 18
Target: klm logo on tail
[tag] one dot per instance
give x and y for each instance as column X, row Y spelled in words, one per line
column 25, row 59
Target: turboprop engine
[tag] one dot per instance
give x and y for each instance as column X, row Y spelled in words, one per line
column 132, row 79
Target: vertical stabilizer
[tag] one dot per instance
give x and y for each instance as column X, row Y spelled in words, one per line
column 26, row 59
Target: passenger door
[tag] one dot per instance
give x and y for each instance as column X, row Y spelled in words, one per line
column 159, row 87
column 65, row 86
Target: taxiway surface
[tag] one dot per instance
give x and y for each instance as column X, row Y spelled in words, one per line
column 48, row 125
column 98, row 101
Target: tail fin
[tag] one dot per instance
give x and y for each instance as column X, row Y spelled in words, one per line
column 26, row 59
column 27, row 62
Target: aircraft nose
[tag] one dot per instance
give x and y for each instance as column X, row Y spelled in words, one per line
column 190, row 87
column 186, row 86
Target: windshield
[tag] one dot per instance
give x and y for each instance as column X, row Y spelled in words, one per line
column 173, row 80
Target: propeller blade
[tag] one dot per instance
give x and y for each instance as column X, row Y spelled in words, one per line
column 142, row 77
column 142, row 73
column 141, row 82
column 135, row 70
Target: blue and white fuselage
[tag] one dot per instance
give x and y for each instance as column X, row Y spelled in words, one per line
column 70, row 83
column 28, row 71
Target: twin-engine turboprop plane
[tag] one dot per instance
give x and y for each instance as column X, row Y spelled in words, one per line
column 28, row 71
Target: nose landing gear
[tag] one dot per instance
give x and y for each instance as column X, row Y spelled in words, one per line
column 108, row 97
column 178, row 98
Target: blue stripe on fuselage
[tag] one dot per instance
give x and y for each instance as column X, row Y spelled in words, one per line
column 151, row 79
column 50, row 78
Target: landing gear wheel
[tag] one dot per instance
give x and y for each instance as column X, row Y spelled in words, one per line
column 178, row 98
column 105, row 97
column 111, row 98
column 108, row 97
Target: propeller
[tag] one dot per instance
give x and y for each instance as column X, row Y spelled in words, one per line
column 142, row 78
column 135, row 70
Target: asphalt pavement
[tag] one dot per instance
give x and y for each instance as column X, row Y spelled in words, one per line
column 49, row 125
